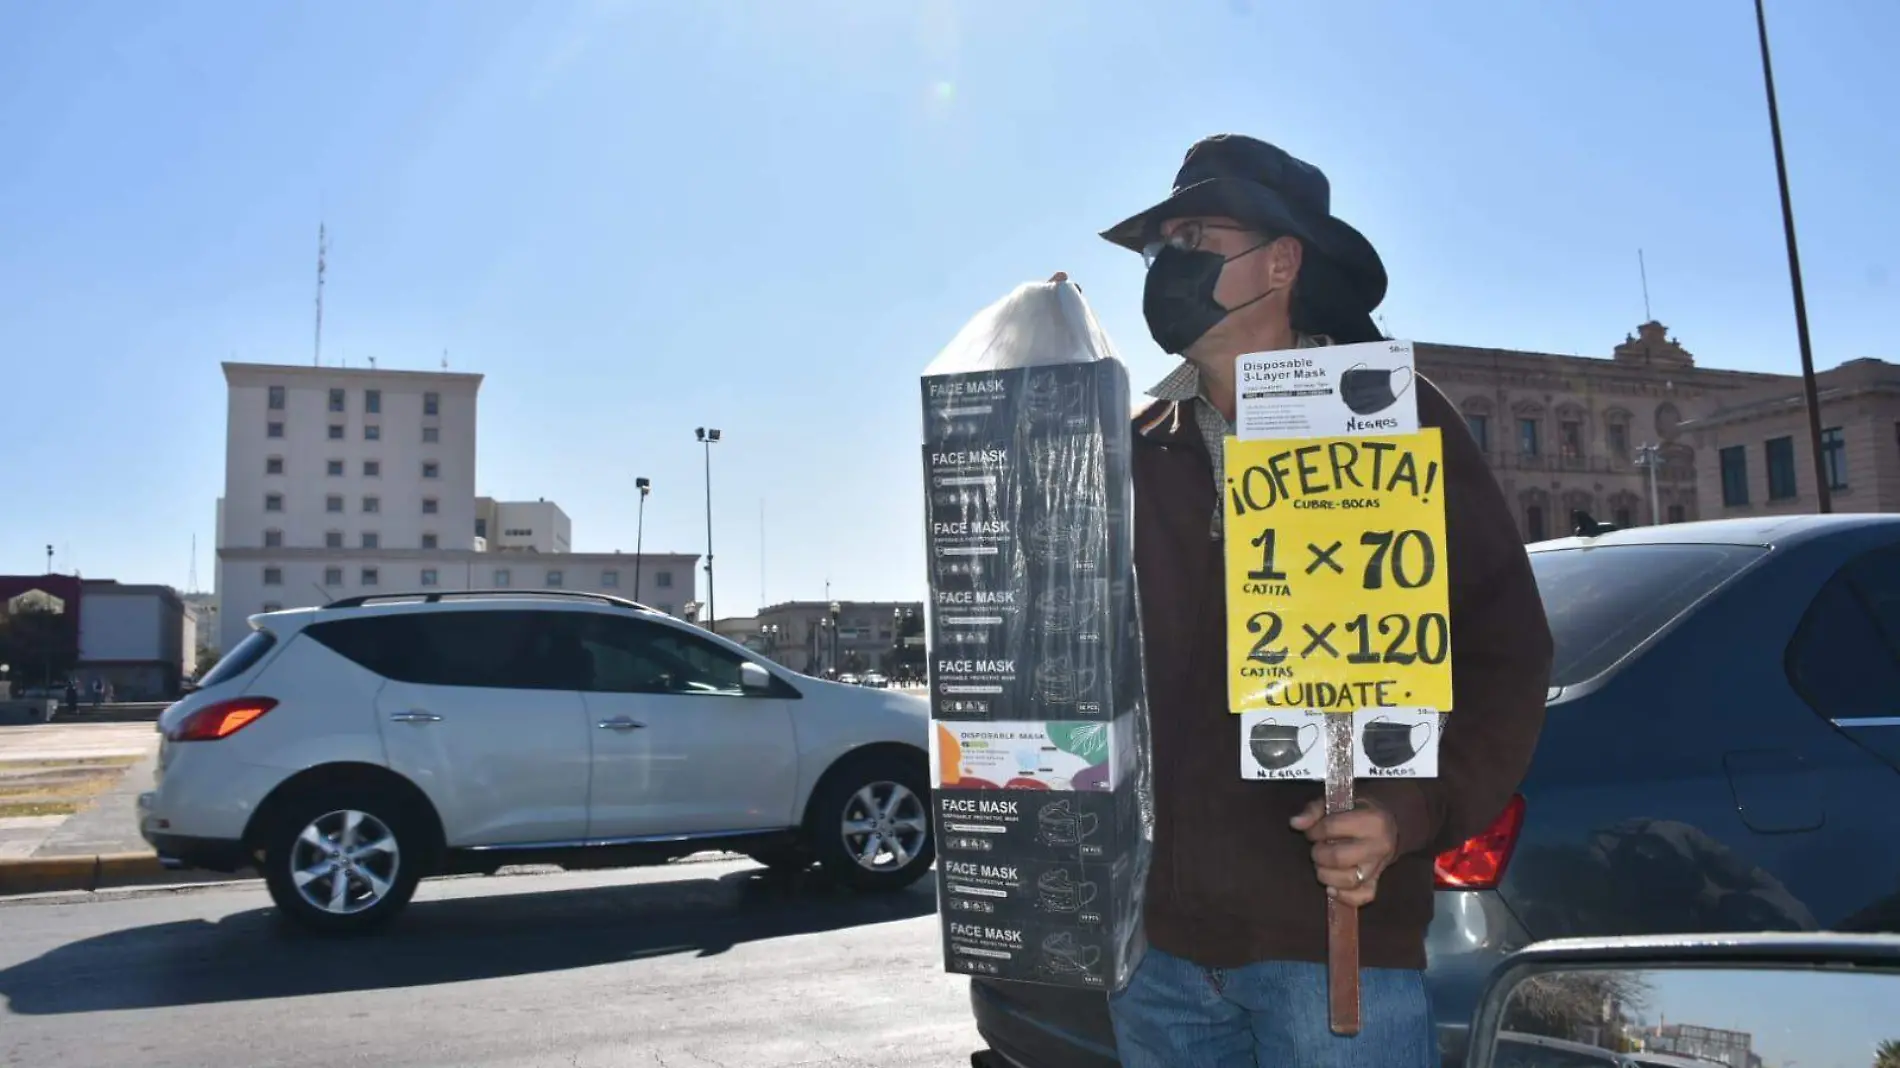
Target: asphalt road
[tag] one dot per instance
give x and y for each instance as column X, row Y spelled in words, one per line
column 692, row 965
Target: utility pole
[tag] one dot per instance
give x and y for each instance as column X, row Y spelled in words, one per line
column 645, row 486
column 1823, row 493
column 709, row 437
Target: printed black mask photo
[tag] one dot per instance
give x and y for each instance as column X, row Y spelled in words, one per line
column 1369, row 389
column 1388, row 744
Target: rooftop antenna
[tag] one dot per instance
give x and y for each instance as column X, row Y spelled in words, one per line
column 445, row 359
column 192, row 582
column 1644, row 270
column 323, row 247
column 372, row 363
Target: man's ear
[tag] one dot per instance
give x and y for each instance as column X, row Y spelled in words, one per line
column 1284, row 258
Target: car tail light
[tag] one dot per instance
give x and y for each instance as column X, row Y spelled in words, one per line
column 1479, row 864
column 221, row 720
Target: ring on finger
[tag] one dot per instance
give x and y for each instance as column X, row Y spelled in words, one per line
column 1359, row 874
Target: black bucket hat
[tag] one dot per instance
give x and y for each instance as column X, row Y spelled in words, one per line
column 1262, row 185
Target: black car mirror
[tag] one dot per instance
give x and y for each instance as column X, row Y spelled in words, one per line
column 1735, row 1001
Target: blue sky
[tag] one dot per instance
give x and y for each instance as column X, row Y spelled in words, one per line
column 1804, row 1018
column 641, row 217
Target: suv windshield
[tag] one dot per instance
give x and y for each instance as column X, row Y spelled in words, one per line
column 1605, row 600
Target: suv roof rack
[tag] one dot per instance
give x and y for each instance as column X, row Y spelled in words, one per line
column 436, row 596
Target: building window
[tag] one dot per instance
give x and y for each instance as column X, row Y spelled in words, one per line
column 1676, row 514
column 1527, row 437
column 1570, row 439
column 663, row 580
column 369, row 577
column 274, row 465
column 273, row 502
column 430, row 506
column 333, row 503
column 429, row 541
column 273, row 539
column 431, row 435
column 273, row 430
column 333, row 576
column 1618, row 436
column 272, row 606
column 372, row 540
column 373, row 401
column 1834, row 457
column 502, row 577
column 372, row 505
column 1735, row 475
column 333, row 539
column 372, row 469
column 333, row 468
column 1480, row 431
column 554, row 580
column 1534, row 522
column 273, row 576
column 432, row 404
column 431, row 469
column 481, row 528
column 336, row 431
column 372, row 432
column 336, row 400
column 1779, row 453
column 610, row 580
column 428, row 576
column 276, row 398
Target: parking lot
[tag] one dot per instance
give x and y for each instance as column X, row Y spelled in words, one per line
column 693, row 964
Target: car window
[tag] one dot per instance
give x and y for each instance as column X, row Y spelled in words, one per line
column 240, row 659
column 632, row 656
column 1844, row 661
column 510, row 650
column 1604, row 601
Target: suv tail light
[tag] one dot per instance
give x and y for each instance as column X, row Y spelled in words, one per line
column 221, row 720
column 1479, row 864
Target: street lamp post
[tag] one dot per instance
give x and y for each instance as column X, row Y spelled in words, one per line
column 708, row 437
column 1650, row 457
column 645, row 486
column 835, row 609
column 1824, row 496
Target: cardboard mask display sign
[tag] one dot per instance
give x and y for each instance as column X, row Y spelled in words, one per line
column 1038, row 740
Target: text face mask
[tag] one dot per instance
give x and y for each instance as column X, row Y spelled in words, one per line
column 1178, row 297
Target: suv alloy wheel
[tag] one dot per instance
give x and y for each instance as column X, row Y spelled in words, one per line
column 344, row 861
column 870, row 824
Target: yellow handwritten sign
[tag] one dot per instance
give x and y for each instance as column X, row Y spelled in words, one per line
column 1336, row 574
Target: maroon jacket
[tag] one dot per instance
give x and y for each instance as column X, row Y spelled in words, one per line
column 1232, row 884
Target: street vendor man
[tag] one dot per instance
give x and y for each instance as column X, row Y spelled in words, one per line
column 1244, row 257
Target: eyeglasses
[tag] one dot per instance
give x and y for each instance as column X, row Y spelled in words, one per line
column 1186, row 237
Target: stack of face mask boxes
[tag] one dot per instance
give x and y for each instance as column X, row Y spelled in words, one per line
column 1039, row 738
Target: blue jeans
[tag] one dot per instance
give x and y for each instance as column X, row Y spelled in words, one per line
column 1176, row 1014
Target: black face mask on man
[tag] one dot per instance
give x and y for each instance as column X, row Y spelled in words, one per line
column 1178, row 297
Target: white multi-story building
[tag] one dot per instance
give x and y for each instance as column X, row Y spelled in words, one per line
column 523, row 526
column 342, row 481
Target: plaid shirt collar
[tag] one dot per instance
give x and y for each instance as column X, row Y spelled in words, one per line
column 1184, row 382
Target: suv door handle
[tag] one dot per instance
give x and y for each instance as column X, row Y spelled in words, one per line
column 620, row 723
column 415, row 716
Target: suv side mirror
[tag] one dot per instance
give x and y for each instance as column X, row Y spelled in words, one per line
column 754, row 680
column 1706, row 1001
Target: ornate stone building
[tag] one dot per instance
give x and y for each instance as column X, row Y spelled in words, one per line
column 1564, row 433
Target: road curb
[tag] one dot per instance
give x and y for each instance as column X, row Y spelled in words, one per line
column 39, row 875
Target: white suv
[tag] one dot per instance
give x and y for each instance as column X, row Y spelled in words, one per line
column 349, row 750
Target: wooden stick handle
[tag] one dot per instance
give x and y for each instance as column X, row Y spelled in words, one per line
column 1342, row 967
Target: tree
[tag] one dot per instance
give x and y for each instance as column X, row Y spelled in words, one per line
column 1887, row 1054
column 1577, row 1006
column 39, row 644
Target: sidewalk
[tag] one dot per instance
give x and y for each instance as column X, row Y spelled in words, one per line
column 99, row 768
